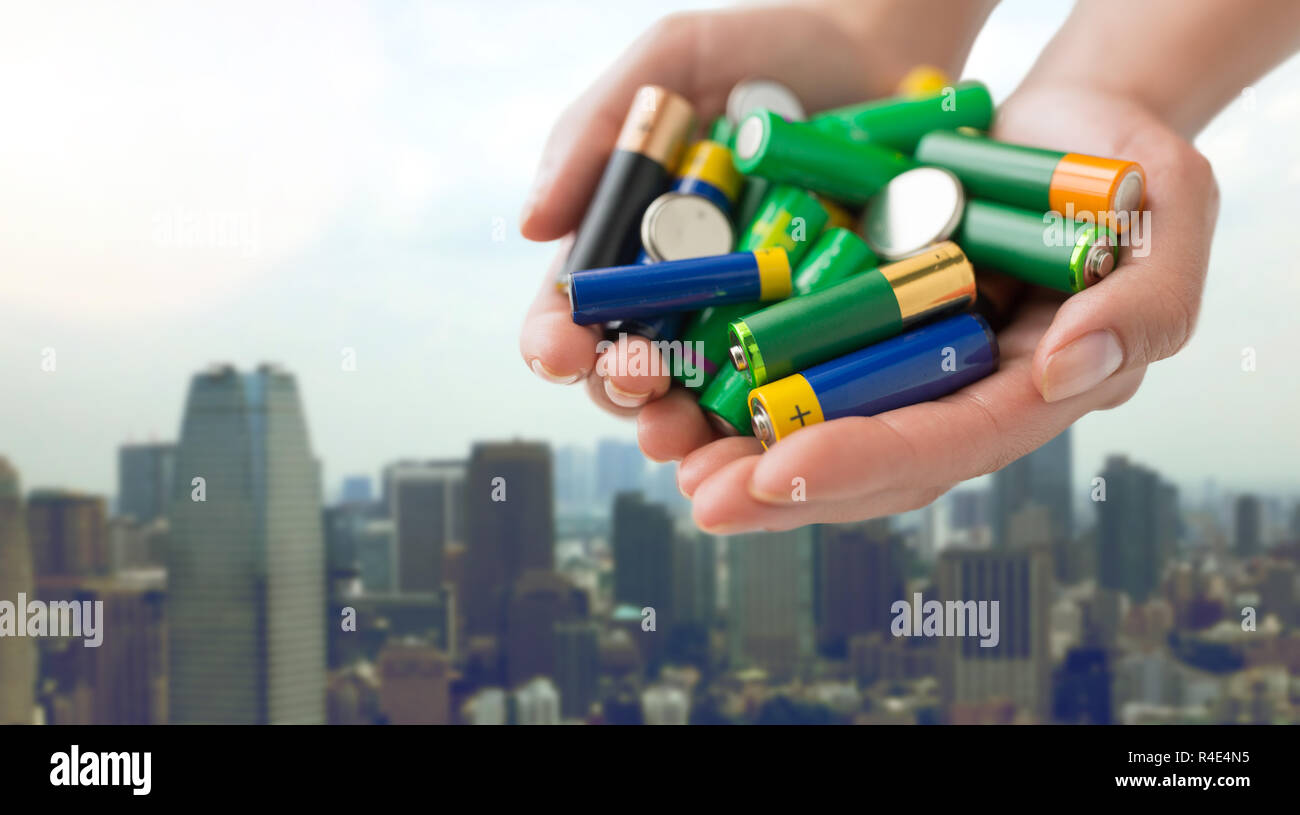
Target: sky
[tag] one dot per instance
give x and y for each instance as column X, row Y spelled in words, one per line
column 304, row 183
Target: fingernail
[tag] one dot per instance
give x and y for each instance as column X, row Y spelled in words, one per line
column 623, row 398
column 765, row 497
column 1080, row 366
column 550, row 376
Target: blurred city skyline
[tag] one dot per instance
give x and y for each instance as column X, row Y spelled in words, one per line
column 511, row 584
column 342, row 199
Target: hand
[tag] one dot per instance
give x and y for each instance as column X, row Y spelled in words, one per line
column 1059, row 360
column 821, row 51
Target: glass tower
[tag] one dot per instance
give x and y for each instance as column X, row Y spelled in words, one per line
column 246, row 563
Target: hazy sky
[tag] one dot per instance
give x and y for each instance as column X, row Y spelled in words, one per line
column 284, row 181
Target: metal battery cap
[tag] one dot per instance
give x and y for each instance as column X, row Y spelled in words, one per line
column 677, row 226
column 916, row 208
column 762, row 425
column 755, row 94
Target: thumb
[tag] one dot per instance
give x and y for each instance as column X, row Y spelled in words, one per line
column 1146, row 308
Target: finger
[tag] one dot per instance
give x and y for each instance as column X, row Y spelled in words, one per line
column 703, row 462
column 552, row 345
column 1146, row 309
column 581, row 141
column 974, row 431
column 633, row 370
column 670, row 428
column 595, row 385
column 723, row 505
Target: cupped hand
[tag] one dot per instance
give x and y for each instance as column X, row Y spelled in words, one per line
column 1060, row 358
column 700, row 56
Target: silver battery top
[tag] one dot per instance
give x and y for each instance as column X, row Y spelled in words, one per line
column 677, row 226
column 915, row 209
column 1128, row 194
column 763, row 94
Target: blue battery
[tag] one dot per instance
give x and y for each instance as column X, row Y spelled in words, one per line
column 690, row 185
column 655, row 289
column 916, row 366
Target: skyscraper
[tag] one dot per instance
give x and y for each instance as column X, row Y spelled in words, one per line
column 17, row 654
column 770, row 604
column 426, row 503
column 1136, row 528
column 539, row 600
column 642, row 542
column 1017, row 668
column 1247, row 520
column 695, row 579
column 144, row 480
column 68, row 532
column 577, row 666
column 860, row 576
column 246, row 565
column 509, row 524
column 1042, row 478
column 124, row 680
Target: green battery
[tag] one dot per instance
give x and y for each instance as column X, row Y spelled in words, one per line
column 786, row 338
column 752, row 198
column 1067, row 256
column 900, row 122
column 837, row 254
column 1036, row 179
column 726, row 403
column 798, row 153
column 722, row 131
column 789, row 218
column 705, row 344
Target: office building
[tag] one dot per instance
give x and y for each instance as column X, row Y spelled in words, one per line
column 1040, row 479
column 17, row 654
column 642, row 541
column 1136, row 529
column 770, row 602
column 860, row 575
column 1017, row 668
column 246, row 564
column 509, row 527
column 123, row 681
column 1248, row 523
column 577, row 667
column 144, row 480
column 68, row 532
column 426, row 503
column 539, row 601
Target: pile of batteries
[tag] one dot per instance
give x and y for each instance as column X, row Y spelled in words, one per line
column 806, row 269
